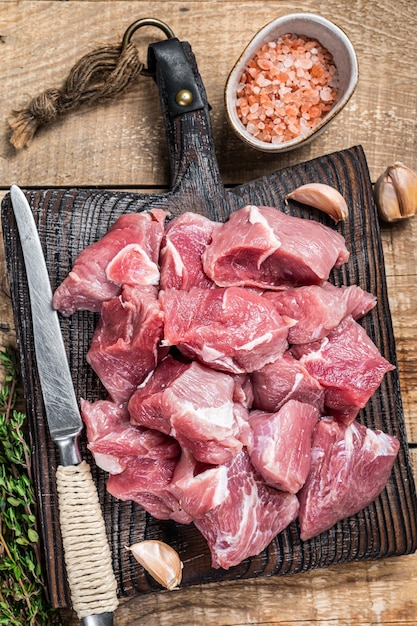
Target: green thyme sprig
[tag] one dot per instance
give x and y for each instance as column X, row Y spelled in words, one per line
column 22, row 589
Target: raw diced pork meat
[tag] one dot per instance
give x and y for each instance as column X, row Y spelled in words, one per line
column 350, row 467
column 219, row 368
column 124, row 348
column 195, row 405
column 234, row 329
column 141, row 462
column 348, row 364
column 102, row 417
column 243, row 390
column 130, row 440
column 264, row 247
column 318, row 310
column 249, row 518
column 146, row 405
column 143, row 474
column 114, row 441
column 285, row 379
column 358, row 302
column 281, row 450
column 127, row 254
column 197, row 486
column 146, row 481
column 186, row 238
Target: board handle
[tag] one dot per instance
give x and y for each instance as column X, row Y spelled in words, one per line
column 195, row 176
column 87, row 554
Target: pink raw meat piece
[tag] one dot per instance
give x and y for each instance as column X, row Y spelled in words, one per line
column 350, row 467
column 114, row 441
column 285, row 379
column 358, row 301
column 186, row 238
column 146, row 406
column 125, row 344
column 131, row 440
column 197, row 486
column 102, row 416
column 195, row 405
column 127, row 254
column 348, row 365
column 234, row 329
column 249, row 518
column 243, row 390
column 319, row 309
column 264, row 247
column 146, row 481
column 281, row 450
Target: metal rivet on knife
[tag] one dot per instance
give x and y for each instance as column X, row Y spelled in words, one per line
column 184, row 97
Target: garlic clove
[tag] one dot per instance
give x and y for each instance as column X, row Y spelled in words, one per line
column 395, row 193
column 160, row 560
column 323, row 197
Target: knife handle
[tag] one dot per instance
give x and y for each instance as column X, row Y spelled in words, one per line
column 86, row 550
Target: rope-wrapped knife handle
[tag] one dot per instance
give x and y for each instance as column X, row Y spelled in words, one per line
column 87, row 554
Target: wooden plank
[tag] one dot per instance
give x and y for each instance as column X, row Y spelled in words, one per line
column 131, row 148
column 353, row 595
column 314, row 598
column 401, row 263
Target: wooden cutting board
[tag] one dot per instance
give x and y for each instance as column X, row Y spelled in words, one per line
column 70, row 219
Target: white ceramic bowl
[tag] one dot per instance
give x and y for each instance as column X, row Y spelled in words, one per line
column 314, row 27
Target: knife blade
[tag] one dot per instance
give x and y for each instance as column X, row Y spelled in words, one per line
column 87, row 553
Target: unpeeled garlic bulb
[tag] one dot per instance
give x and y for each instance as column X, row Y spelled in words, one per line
column 323, row 197
column 395, row 193
column 160, row 560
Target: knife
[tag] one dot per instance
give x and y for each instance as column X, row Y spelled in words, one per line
column 87, row 553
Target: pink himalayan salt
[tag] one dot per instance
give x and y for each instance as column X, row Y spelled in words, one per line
column 287, row 88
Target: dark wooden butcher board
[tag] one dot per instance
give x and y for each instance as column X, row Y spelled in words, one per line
column 70, row 219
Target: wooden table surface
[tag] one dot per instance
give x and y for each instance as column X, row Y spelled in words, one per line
column 121, row 145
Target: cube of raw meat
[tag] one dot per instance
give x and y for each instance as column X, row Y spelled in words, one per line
column 285, row 379
column 127, row 254
column 197, row 486
column 100, row 418
column 281, row 450
column 319, row 309
column 248, row 519
column 146, row 481
column 114, row 441
column 125, row 344
column 350, row 467
column 264, row 247
column 243, row 390
column 348, row 365
column 195, row 405
column 186, row 238
column 234, row 329
column 130, row 440
column 146, row 406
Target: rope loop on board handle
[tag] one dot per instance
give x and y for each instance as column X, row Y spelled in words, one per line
column 99, row 76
